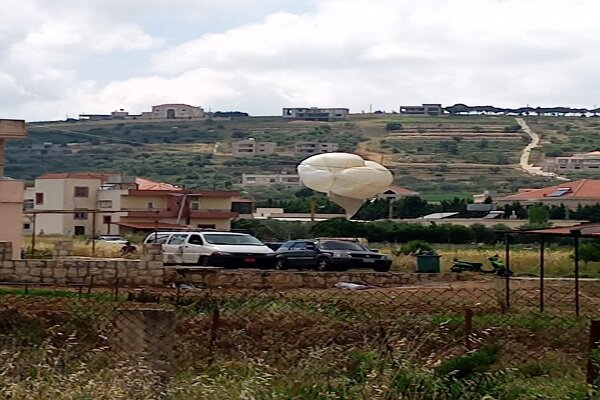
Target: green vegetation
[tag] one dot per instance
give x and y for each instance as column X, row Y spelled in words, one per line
column 437, row 156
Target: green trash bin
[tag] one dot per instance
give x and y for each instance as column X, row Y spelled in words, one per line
column 429, row 263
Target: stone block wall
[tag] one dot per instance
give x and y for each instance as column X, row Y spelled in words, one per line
column 148, row 271
column 248, row 279
column 63, row 248
column 5, row 251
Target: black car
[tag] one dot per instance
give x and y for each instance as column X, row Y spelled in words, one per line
column 324, row 255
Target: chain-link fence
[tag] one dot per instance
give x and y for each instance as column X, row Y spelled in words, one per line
column 179, row 330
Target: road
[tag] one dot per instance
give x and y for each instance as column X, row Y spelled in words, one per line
column 526, row 154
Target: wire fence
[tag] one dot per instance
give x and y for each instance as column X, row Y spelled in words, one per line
column 180, row 329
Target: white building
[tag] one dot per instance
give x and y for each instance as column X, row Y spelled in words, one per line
column 288, row 180
column 316, row 114
column 250, row 147
column 175, row 111
column 310, row 148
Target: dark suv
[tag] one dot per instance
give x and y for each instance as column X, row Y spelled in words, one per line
column 324, row 255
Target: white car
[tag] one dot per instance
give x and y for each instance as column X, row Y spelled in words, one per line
column 219, row 249
column 112, row 239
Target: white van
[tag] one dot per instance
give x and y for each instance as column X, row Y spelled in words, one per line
column 219, row 249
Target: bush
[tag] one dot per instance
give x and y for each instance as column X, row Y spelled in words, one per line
column 468, row 364
column 393, row 126
column 413, row 247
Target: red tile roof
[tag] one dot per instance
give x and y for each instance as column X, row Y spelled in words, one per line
column 401, row 191
column 582, row 189
column 586, row 230
column 147, row 184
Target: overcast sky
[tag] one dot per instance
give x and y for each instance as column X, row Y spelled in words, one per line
column 64, row 57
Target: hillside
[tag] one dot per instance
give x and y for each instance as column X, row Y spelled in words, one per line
column 434, row 155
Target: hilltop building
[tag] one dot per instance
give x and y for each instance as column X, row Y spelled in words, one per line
column 11, row 191
column 250, row 147
column 583, row 162
column 310, row 148
column 90, row 203
column 425, row 109
column 585, row 192
column 316, row 114
column 162, row 111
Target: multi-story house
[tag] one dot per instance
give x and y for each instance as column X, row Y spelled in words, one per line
column 250, row 147
column 316, row 114
column 582, row 162
column 287, row 180
column 310, row 148
column 11, row 191
column 95, row 203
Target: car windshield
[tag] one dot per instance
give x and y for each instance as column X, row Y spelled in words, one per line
column 215, row 238
column 331, row 245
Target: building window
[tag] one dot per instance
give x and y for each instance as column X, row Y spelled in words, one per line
column 81, row 191
column 80, row 215
column 105, row 203
column 251, row 178
column 26, row 226
column 150, row 205
column 194, row 206
column 107, row 219
column 28, row 204
column 39, row 198
column 79, row 230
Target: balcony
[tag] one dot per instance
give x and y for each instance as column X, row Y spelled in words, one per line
column 152, row 213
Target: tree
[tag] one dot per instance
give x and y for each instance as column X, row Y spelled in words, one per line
column 589, row 252
column 538, row 216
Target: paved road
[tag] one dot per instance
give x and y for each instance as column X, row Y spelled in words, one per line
column 524, row 162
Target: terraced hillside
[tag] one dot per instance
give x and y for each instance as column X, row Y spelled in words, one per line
column 435, row 155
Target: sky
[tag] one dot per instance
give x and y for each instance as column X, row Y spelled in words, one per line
column 61, row 58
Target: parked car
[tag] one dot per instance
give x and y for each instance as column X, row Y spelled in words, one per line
column 324, row 255
column 113, row 239
column 218, row 249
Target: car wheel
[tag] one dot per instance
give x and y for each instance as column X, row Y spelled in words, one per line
column 381, row 269
column 323, row 264
column 279, row 265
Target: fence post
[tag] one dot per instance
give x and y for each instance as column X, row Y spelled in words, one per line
column 468, row 328
column 507, row 277
column 592, row 367
column 147, row 335
column 214, row 328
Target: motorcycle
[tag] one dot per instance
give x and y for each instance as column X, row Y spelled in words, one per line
column 498, row 267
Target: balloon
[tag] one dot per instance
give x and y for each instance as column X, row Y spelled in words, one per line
column 347, row 179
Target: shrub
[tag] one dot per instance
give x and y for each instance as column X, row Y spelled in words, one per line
column 413, row 247
column 393, row 126
column 468, row 364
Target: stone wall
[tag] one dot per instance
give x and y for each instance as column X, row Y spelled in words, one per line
column 63, row 248
column 250, row 279
column 5, row 251
column 148, row 271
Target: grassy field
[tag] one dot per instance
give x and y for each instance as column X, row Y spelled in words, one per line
column 296, row 345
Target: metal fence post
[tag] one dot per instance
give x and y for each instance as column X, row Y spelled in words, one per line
column 541, row 273
column 576, row 234
column 468, row 328
column 592, row 367
column 214, row 328
column 507, row 275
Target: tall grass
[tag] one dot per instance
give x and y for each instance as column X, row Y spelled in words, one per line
column 81, row 247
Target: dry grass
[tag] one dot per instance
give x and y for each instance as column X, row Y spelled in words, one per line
column 558, row 262
column 81, row 247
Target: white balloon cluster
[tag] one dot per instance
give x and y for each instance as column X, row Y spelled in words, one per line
column 347, row 179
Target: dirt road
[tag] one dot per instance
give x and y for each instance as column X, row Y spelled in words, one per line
column 526, row 154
